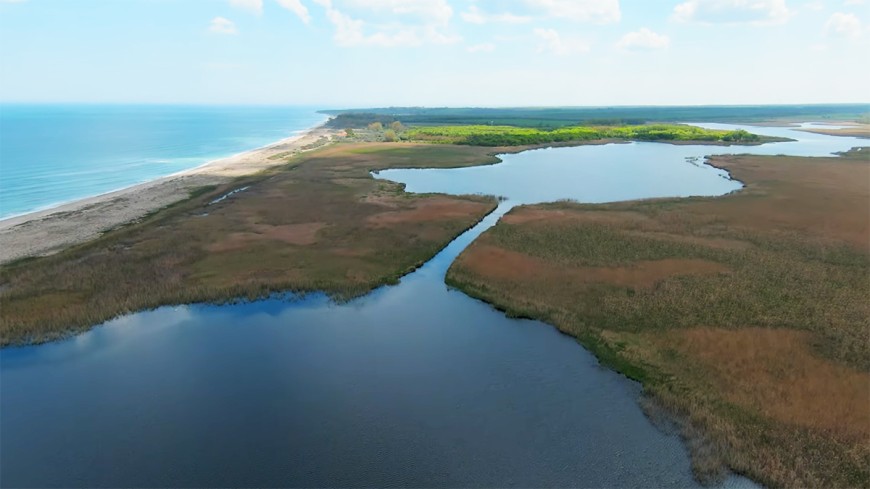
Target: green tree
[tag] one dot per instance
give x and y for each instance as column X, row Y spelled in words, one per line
column 397, row 126
column 390, row 136
column 376, row 126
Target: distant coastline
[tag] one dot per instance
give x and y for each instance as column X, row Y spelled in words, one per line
column 60, row 205
column 57, row 154
column 49, row 230
column 63, row 205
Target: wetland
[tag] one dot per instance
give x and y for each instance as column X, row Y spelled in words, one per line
column 391, row 377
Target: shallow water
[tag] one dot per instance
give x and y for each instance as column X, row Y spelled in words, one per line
column 413, row 384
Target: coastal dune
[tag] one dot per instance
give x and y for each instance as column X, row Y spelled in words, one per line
column 49, row 231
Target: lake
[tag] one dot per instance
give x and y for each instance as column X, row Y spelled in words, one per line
column 411, row 385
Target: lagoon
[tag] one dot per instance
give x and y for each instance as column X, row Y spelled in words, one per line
column 413, row 384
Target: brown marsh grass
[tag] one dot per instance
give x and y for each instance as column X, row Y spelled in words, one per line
column 853, row 129
column 747, row 316
column 319, row 223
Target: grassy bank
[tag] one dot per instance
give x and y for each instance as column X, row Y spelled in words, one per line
column 745, row 315
column 516, row 136
column 319, row 223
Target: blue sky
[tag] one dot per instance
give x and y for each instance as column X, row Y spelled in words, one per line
column 435, row 52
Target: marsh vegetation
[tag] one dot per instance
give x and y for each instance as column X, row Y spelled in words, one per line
column 746, row 315
column 319, row 223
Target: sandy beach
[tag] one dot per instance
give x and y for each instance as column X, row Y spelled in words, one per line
column 48, row 231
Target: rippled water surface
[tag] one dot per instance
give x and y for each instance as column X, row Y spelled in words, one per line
column 51, row 154
column 411, row 385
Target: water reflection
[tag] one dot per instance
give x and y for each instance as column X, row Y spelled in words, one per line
column 414, row 384
column 613, row 172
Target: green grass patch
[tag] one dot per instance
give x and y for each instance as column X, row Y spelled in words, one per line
column 479, row 135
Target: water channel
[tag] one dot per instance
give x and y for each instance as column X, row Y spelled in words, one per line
column 411, row 385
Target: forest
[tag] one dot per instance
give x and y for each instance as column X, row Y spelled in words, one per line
column 553, row 117
column 519, row 136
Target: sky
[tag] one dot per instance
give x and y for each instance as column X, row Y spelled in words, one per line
column 365, row 53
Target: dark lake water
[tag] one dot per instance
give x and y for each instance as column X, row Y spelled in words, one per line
column 411, row 385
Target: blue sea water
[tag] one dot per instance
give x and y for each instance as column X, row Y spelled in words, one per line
column 51, row 154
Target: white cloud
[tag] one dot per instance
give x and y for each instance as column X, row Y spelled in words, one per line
column 298, row 8
column 851, row 3
column 347, row 30
column 476, row 16
column 426, row 26
column 486, row 47
column 13, row 1
column 252, row 6
column 643, row 39
column 600, row 11
column 553, row 42
column 758, row 12
column 432, row 11
column 844, row 25
column 221, row 25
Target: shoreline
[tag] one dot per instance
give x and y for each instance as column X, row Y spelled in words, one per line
column 663, row 375
column 58, row 206
column 47, row 231
column 278, row 225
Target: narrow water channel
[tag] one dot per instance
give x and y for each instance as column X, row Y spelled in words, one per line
column 411, row 385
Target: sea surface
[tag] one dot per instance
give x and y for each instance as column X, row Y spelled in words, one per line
column 412, row 385
column 52, row 154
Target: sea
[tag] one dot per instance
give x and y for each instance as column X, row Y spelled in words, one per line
column 54, row 154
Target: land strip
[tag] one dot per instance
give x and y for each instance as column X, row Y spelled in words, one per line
column 851, row 129
column 745, row 315
column 319, row 222
column 551, row 117
column 168, row 251
column 45, row 232
column 49, row 231
column 517, row 136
